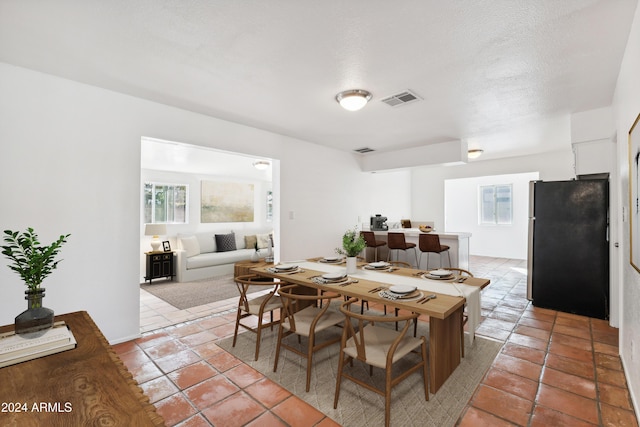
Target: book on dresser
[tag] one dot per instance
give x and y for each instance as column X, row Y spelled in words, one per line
column 16, row 348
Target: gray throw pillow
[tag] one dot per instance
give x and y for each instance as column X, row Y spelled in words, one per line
column 226, row 242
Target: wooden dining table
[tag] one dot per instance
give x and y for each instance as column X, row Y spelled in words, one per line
column 445, row 311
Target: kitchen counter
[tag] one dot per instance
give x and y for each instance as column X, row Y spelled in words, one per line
column 458, row 243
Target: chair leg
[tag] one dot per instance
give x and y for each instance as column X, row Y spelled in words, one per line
column 415, row 252
column 235, row 333
column 462, row 333
column 449, row 253
column 338, row 380
column 258, row 335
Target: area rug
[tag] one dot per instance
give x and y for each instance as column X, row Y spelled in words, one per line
column 191, row 294
column 357, row 406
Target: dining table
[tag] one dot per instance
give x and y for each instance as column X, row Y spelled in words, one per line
column 441, row 298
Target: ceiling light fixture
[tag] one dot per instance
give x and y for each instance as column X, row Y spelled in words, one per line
column 475, row 153
column 261, row 165
column 353, row 99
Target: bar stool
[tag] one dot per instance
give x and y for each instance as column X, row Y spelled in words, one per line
column 431, row 243
column 397, row 242
column 370, row 240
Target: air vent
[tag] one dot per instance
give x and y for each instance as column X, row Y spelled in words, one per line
column 364, row 150
column 401, row 98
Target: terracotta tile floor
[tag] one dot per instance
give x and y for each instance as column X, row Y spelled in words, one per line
column 554, row 368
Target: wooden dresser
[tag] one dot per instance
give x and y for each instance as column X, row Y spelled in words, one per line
column 86, row 386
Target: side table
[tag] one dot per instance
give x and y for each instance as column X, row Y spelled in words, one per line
column 241, row 268
column 86, row 386
column 159, row 264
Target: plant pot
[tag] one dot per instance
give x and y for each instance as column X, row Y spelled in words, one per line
column 352, row 265
column 255, row 256
column 36, row 317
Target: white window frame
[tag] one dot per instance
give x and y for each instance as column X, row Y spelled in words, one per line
column 494, row 202
column 153, row 219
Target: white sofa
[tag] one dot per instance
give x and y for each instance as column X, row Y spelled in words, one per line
column 199, row 257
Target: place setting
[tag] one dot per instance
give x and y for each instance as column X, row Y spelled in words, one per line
column 401, row 292
column 332, row 260
column 338, row 279
column 379, row 266
column 439, row 274
column 285, row 269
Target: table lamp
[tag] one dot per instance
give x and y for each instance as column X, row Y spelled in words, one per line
column 155, row 230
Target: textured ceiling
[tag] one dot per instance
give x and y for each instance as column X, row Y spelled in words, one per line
column 503, row 75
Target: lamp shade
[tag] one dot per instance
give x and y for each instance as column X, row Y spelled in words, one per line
column 354, row 99
column 475, row 153
column 155, row 230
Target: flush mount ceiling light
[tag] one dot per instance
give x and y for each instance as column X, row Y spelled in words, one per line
column 261, row 165
column 353, row 99
column 475, row 153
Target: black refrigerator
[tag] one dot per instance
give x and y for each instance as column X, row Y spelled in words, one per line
column 568, row 254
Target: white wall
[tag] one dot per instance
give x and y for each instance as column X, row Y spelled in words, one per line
column 427, row 184
column 461, row 214
column 626, row 106
column 70, row 163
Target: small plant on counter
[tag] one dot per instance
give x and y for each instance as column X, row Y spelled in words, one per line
column 352, row 243
column 32, row 261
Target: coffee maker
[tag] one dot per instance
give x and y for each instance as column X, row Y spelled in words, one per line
column 378, row 223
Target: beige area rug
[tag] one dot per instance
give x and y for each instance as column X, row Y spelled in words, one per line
column 357, row 406
column 192, row 294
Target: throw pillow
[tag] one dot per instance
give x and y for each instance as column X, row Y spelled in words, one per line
column 226, row 242
column 250, row 241
column 190, row 245
column 264, row 241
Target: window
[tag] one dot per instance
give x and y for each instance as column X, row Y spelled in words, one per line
column 495, row 204
column 165, row 203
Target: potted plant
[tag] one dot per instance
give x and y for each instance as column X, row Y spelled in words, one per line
column 33, row 262
column 352, row 244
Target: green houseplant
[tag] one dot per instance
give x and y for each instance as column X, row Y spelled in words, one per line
column 33, row 262
column 352, row 244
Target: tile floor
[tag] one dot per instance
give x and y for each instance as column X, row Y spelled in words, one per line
column 554, row 368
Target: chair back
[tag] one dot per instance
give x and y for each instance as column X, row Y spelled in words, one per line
column 396, row 241
column 429, row 243
column 357, row 332
column 244, row 282
column 369, row 238
column 293, row 302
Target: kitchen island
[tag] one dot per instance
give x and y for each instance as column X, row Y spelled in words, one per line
column 458, row 243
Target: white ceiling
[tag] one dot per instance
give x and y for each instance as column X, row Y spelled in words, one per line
column 502, row 75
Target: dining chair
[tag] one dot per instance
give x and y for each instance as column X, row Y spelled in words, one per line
column 397, row 242
column 370, row 240
column 305, row 322
column 379, row 346
column 256, row 306
column 431, row 243
column 461, row 272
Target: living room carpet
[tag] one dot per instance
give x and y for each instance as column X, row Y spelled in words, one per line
column 191, row 294
column 358, row 406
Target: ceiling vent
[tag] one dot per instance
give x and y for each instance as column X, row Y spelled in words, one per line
column 401, row 98
column 364, row 150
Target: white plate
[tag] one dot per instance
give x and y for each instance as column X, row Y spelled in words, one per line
column 332, row 258
column 334, row 276
column 402, row 289
column 440, row 273
column 379, row 264
column 286, row 267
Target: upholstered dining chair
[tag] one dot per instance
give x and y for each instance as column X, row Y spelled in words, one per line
column 461, row 272
column 397, row 242
column 430, row 243
column 370, row 240
column 305, row 322
column 266, row 302
column 380, row 347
